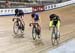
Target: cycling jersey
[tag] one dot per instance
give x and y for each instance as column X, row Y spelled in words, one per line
column 36, row 17
column 56, row 24
column 55, row 21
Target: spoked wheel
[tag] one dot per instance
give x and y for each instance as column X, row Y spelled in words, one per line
column 18, row 28
column 55, row 37
column 33, row 34
column 15, row 28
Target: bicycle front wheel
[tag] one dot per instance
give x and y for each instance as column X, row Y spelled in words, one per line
column 33, row 33
column 15, row 28
column 53, row 38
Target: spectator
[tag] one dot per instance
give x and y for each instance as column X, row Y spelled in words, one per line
column 7, row 4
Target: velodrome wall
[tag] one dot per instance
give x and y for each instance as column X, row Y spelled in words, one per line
column 10, row 11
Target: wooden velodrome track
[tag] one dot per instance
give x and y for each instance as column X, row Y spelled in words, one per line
column 9, row 44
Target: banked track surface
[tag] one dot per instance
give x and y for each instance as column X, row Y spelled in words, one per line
column 9, row 44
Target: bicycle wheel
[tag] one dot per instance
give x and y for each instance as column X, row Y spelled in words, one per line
column 15, row 28
column 54, row 36
column 34, row 33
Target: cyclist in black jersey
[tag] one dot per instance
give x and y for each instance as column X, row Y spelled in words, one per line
column 54, row 21
column 19, row 14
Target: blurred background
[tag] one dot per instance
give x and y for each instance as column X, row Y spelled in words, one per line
column 27, row 3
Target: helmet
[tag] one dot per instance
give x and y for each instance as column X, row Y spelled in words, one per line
column 33, row 14
column 16, row 10
column 52, row 16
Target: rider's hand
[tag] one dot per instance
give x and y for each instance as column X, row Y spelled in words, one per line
column 30, row 24
column 13, row 19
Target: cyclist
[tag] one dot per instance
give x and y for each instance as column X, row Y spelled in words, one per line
column 54, row 20
column 35, row 20
column 19, row 14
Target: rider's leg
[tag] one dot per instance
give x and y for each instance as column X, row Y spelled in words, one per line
column 58, row 27
column 58, row 32
column 53, row 31
column 21, row 22
column 39, row 31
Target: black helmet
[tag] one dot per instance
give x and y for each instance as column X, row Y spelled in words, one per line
column 52, row 16
column 17, row 10
column 32, row 14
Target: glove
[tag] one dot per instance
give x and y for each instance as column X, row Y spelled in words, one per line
column 30, row 24
column 13, row 19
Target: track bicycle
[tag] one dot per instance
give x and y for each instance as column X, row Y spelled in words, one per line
column 35, row 30
column 55, row 36
column 18, row 26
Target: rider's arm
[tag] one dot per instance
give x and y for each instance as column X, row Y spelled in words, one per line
column 30, row 24
column 13, row 18
column 58, row 24
column 50, row 24
column 33, row 24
